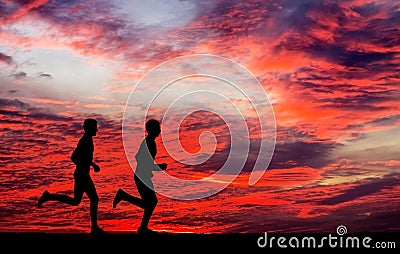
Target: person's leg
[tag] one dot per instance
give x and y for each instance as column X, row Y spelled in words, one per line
column 91, row 192
column 149, row 200
column 76, row 200
column 122, row 195
column 43, row 198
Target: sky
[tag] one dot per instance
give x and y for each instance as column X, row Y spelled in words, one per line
column 329, row 71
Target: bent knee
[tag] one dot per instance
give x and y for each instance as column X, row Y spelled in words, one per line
column 151, row 203
column 76, row 202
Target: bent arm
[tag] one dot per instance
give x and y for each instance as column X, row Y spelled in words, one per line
column 150, row 165
column 96, row 167
column 147, row 162
column 160, row 167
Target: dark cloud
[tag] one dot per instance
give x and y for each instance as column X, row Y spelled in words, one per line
column 6, row 9
column 5, row 58
column 113, row 37
column 319, row 84
column 381, row 32
column 235, row 18
column 12, row 91
column 32, row 115
column 99, row 28
column 21, row 109
column 384, row 31
column 9, row 121
column 286, row 155
column 16, row 103
column 302, row 154
column 387, row 120
column 228, row 19
column 363, row 189
column 348, row 58
column 19, row 75
column 202, row 120
column 60, row 11
column 44, row 75
column 340, row 54
column 367, row 10
column 366, row 101
column 382, row 121
column 290, row 151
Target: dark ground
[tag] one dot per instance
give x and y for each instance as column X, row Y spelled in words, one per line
column 37, row 242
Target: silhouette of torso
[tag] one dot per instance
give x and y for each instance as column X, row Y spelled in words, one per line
column 145, row 159
column 83, row 154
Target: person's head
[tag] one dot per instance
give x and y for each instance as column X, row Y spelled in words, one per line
column 153, row 128
column 90, row 126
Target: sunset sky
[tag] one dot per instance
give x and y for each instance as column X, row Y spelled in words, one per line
column 331, row 71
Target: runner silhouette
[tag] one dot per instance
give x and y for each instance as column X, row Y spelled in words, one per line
column 82, row 157
column 142, row 176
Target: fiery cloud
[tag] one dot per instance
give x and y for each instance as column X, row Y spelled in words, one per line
column 330, row 68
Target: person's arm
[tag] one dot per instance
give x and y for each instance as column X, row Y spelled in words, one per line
column 74, row 157
column 96, row 168
column 160, row 167
column 153, row 150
